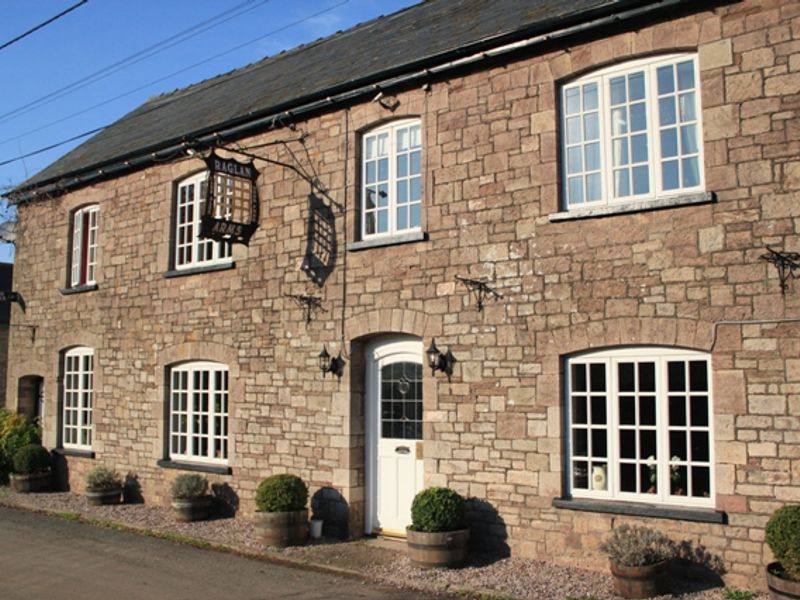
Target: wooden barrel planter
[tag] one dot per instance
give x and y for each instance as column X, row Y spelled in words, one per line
column 193, row 509
column 640, row 582
column 781, row 588
column 281, row 529
column 36, row 482
column 437, row 549
column 104, row 496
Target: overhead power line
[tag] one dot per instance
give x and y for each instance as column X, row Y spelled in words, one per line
column 45, row 24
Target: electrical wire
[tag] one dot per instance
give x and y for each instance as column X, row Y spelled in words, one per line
column 44, row 24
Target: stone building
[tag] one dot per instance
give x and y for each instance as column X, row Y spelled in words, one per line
column 606, row 177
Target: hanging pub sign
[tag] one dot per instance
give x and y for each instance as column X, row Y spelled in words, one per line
column 230, row 213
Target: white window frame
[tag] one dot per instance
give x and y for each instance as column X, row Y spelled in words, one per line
column 189, row 199
column 653, row 130
column 183, row 396
column 664, row 464
column 78, row 399
column 83, row 264
column 393, row 229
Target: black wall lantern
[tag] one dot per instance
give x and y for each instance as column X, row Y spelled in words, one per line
column 440, row 362
column 333, row 365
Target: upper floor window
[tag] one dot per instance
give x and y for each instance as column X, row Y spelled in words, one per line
column 198, row 412
column 391, row 197
column 639, row 426
column 190, row 249
column 83, row 263
column 78, row 396
column 632, row 132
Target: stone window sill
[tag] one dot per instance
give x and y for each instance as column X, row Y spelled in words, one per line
column 195, row 270
column 196, row 467
column 78, row 289
column 632, row 207
column 392, row 240
column 74, row 452
column 700, row 515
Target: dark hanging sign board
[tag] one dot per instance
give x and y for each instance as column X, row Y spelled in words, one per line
column 231, row 208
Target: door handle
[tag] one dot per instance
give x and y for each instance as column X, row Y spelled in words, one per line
column 403, row 450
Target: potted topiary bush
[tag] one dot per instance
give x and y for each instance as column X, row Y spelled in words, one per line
column 639, row 558
column 31, row 469
column 103, row 486
column 282, row 518
column 189, row 498
column 783, row 538
column 437, row 536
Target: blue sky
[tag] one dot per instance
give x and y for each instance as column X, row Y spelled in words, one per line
column 34, row 113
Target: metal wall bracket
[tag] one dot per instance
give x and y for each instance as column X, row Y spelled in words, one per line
column 307, row 302
column 785, row 262
column 480, row 290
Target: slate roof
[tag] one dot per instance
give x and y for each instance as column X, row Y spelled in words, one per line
column 417, row 37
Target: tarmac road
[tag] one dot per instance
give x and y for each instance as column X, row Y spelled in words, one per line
column 46, row 558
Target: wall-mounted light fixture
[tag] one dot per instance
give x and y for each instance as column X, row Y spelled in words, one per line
column 785, row 262
column 440, row 362
column 328, row 364
column 10, row 297
column 480, row 289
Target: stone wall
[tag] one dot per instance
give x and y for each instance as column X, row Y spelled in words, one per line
column 687, row 276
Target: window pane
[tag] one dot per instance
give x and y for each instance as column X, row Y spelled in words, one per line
column 574, row 130
column 579, row 413
column 638, row 117
column 689, row 139
column 666, row 80
column 416, row 188
column 636, row 86
column 669, row 142
column 698, row 406
column 572, row 100
column 574, row 160
column 416, row 163
column 677, row 411
column 619, row 121
column 593, row 188
column 592, row 157
column 688, row 110
column 677, row 445
column 700, row 449
column 575, row 190
column 590, row 96
column 647, row 377
column 666, row 111
column 402, row 165
column 639, row 148
column 580, row 475
column 686, row 75
column 647, row 444
column 627, row 477
column 701, row 482
column 627, row 443
column 627, row 410
column 618, row 95
column 598, row 410
column 599, row 476
column 591, row 126
column 415, row 212
column 647, row 410
column 580, row 442
column 626, row 377
column 669, row 175
column 402, row 217
column 578, row 380
column 621, row 152
column 598, row 377
column 698, row 376
column 691, row 172
column 641, row 180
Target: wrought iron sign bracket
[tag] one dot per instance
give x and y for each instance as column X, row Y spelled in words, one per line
column 785, row 262
column 480, row 290
column 307, row 302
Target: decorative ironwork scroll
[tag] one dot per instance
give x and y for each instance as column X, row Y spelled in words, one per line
column 480, row 290
column 785, row 262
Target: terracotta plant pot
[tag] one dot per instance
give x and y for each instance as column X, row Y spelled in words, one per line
column 104, row 496
column 640, row 582
column 281, row 529
column 193, row 509
column 437, row 549
column 35, row 482
column 781, row 588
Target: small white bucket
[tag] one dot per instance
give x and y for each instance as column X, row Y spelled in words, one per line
column 316, row 529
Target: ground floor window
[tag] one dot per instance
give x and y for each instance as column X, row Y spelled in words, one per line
column 78, row 396
column 639, row 426
column 198, row 400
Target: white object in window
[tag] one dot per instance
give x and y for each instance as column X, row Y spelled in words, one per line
column 391, row 176
column 639, row 426
column 84, row 246
column 198, row 398
column 78, row 398
column 632, row 132
column 190, row 249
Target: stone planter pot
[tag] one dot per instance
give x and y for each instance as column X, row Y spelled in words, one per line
column 35, row 482
column 193, row 509
column 281, row 529
column 437, row 549
column 104, row 496
column 781, row 588
column 640, row 582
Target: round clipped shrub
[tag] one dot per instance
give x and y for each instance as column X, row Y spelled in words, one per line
column 783, row 538
column 188, row 486
column 636, row 546
column 31, row 459
column 102, row 477
column 281, row 493
column 437, row 509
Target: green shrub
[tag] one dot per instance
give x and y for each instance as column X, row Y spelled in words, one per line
column 783, row 538
column 730, row 593
column 15, row 432
column 281, row 493
column 634, row 546
column 188, row 486
column 31, row 459
column 437, row 509
column 102, row 477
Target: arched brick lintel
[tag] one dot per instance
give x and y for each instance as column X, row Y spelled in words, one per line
column 393, row 320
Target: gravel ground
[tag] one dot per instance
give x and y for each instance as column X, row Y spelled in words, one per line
column 504, row 578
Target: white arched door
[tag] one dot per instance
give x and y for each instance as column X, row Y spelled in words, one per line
column 393, row 414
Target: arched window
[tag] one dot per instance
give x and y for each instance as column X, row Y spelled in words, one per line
column 190, row 250
column 632, row 132
column 639, row 426
column 78, row 398
column 391, row 176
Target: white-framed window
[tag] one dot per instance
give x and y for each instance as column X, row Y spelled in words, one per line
column 190, row 249
column 78, row 395
column 391, row 175
column 198, row 412
column 639, row 426
column 83, row 263
column 632, row 132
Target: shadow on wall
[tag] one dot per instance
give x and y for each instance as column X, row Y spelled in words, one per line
column 60, row 472
column 225, row 499
column 321, row 250
column 696, row 569
column 328, row 504
column 132, row 490
column 488, row 533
